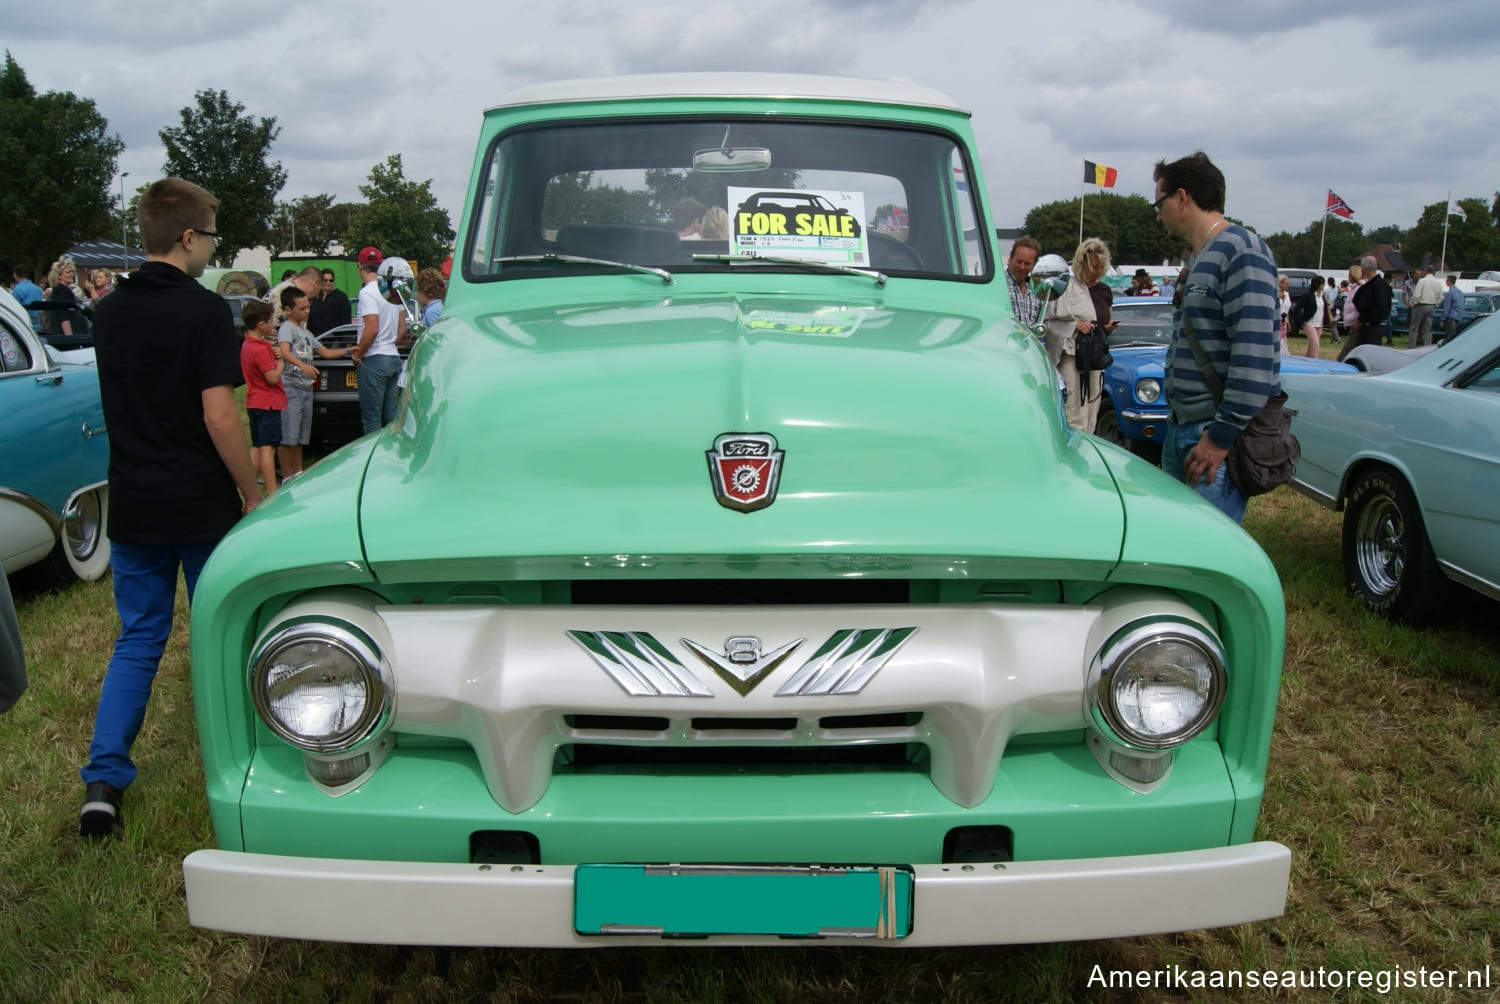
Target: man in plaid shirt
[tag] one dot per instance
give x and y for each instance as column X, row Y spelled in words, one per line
column 1018, row 268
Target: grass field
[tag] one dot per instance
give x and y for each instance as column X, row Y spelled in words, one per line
column 1384, row 781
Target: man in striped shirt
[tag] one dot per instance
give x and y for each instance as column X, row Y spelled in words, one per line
column 1230, row 302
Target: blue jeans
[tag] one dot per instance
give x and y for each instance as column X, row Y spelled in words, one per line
column 145, row 587
column 377, row 391
column 1180, row 440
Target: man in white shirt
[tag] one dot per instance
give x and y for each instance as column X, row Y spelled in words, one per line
column 376, row 355
column 1425, row 297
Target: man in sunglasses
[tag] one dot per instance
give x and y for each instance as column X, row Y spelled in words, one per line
column 330, row 306
column 179, row 462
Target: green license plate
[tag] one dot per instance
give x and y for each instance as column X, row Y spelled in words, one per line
column 351, row 378
column 698, row 900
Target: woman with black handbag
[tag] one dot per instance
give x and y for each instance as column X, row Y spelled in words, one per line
column 1076, row 340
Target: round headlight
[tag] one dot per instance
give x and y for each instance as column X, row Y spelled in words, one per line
column 1160, row 684
column 322, row 687
column 1148, row 390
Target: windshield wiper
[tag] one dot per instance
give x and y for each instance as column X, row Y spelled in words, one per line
column 812, row 263
column 574, row 259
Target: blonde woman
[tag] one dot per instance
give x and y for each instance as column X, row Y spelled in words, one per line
column 61, row 278
column 714, row 226
column 1072, row 314
column 101, row 281
column 1351, row 316
column 1284, row 308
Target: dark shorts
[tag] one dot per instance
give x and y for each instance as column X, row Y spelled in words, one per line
column 265, row 427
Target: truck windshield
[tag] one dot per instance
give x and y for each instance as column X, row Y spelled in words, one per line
column 628, row 191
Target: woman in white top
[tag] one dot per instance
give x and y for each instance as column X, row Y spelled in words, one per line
column 1312, row 328
column 1284, row 298
column 1070, row 314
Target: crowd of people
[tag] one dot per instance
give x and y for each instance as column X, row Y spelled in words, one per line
column 279, row 345
column 1230, row 300
column 78, row 293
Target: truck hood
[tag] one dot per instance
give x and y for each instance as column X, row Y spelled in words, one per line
column 583, row 430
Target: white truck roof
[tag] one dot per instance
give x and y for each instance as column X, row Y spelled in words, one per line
column 729, row 85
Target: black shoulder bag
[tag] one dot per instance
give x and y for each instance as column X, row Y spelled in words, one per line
column 1091, row 350
column 1265, row 453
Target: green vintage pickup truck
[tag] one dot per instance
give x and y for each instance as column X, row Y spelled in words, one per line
column 729, row 572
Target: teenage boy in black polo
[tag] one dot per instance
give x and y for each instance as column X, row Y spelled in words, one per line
column 179, row 464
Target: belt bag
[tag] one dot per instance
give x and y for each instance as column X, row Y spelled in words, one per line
column 1265, row 454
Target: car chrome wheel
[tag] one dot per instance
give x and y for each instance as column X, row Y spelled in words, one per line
column 83, row 526
column 1380, row 546
column 1388, row 561
column 84, row 541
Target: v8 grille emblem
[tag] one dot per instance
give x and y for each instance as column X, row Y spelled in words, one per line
column 742, row 665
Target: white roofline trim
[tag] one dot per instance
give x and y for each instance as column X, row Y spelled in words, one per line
column 775, row 86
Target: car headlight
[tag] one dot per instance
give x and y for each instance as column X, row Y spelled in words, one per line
column 321, row 686
column 1157, row 684
column 1148, row 390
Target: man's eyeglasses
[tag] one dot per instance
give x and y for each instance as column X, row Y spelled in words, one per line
column 1156, row 206
column 206, row 233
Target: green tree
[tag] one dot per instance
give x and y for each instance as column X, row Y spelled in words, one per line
column 221, row 148
column 122, row 221
column 57, row 159
column 309, row 225
column 575, row 198
column 1388, row 234
column 1127, row 223
column 1343, row 242
column 1473, row 244
column 400, row 217
column 668, row 186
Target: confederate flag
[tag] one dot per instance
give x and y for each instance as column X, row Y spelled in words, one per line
column 1338, row 206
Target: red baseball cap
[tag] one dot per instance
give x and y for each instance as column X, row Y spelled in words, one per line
column 370, row 256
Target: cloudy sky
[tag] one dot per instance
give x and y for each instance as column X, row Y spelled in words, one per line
column 1390, row 107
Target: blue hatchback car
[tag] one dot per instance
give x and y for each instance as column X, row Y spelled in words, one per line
column 54, row 455
column 1134, row 412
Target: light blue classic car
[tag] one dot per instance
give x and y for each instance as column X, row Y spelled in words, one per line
column 1412, row 457
column 54, row 502
column 1133, row 413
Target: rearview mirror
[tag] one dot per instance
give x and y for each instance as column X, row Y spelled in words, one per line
column 725, row 160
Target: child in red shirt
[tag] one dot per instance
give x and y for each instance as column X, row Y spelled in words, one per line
column 265, row 398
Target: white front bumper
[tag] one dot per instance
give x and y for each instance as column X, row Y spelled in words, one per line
column 416, row 903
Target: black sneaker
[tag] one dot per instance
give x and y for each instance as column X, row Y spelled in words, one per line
column 101, row 815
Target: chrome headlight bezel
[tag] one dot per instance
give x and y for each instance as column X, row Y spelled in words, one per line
column 368, row 660
column 1148, row 390
column 1111, row 669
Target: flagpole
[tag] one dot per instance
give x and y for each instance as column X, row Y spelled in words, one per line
column 1325, row 234
column 1081, row 189
column 1443, row 258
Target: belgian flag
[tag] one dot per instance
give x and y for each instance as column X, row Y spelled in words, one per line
column 1098, row 174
